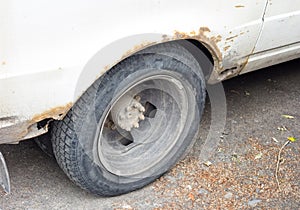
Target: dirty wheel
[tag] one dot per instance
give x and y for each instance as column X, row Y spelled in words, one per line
column 132, row 125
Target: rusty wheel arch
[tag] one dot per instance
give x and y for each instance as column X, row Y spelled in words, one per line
column 39, row 124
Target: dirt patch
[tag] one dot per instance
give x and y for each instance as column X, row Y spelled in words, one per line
column 245, row 181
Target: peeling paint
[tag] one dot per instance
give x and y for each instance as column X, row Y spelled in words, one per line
column 226, row 48
column 14, row 129
column 202, row 36
column 231, row 38
column 210, row 42
column 56, row 113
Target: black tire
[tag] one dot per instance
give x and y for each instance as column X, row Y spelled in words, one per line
column 87, row 149
column 45, row 144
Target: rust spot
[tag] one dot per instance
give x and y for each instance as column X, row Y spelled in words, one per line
column 193, row 33
column 107, row 67
column 232, row 37
column 204, row 29
column 216, row 39
column 202, row 36
column 226, row 48
column 210, row 42
column 239, row 6
column 55, row 113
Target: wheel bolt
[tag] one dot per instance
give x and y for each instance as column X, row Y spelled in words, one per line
column 136, row 125
column 135, row 105
column 141, row 117
column 113, row 127
column 138, row 98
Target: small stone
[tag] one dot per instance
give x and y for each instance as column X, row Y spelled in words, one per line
column 172, row 179
column 228, row 195
column 202, row 191
column 207, row 163
column 179, row 175
column 253, row 202
column 126, row 206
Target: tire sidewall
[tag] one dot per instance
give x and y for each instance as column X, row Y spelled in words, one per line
column 109, row 87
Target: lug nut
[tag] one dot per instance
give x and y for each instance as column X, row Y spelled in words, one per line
column 135, row 105
column 113, row 127
column 138, row 98
column 141, row 117
column 136, row 125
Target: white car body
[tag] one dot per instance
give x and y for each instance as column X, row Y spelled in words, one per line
column 46, row 46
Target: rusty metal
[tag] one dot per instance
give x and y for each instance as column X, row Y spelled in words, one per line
column 14, row 129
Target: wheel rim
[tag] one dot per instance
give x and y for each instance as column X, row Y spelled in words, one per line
column 134, row 152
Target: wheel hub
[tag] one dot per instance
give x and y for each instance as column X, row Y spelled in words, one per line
column 128, row 112
column 158, row 105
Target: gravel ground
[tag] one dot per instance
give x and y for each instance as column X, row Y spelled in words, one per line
column 242, row 173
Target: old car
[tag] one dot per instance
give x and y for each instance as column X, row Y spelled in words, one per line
column 119, row 86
